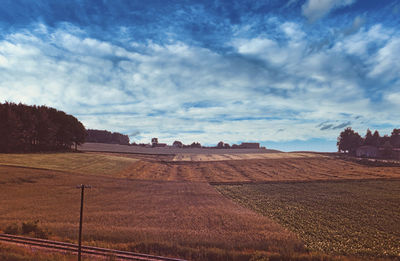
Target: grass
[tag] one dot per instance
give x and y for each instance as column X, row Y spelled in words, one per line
column 87, row 163
column 18, row 253
column 347, row 218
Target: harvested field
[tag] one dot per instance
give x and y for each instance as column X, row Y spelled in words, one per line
column 161, row 168
column 136, row 215
column 241, row 156
column 87, row 163
column 259, row 171
column 153, row 204
column 349, row 217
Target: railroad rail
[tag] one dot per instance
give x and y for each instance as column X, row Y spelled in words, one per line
column 89, row 250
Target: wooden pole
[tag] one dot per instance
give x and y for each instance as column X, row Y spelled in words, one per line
column 80, row 223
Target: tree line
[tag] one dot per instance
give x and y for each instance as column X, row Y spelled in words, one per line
column 26, row 128
column 103, row 136
column 349, row 140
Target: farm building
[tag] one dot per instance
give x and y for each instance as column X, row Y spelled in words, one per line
column 177, row 144
column 250, row 145
column 367, row 151
column 386, row 152
column 154, row 143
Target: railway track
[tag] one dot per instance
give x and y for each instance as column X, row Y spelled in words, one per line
column 88, row 250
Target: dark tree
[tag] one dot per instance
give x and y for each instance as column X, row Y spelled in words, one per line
column 26, row 128
column 348, row 141
column 195, row 145
column 368, row 139
column 376, row 139
column 103, row 136
column 395, row 138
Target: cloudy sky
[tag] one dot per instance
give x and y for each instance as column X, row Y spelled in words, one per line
column 288, row 74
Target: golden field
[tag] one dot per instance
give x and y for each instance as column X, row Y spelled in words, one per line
column 154, row 204
column 191, row 218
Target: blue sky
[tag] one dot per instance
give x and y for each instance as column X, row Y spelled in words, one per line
column 288, row 74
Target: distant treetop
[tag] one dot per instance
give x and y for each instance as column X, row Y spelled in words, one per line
column 103, row 136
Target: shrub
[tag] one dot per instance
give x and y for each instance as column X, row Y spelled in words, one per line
column 13, row 229
column 30, row 228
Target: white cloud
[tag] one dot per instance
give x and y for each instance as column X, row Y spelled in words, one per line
column 385, row 63
column 316, row 9
column 179, row 91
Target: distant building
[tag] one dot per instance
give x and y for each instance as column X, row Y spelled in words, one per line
column 367, row 151
column 154, row 142
column 177, row 144
column 249, row 145
column 385, row 152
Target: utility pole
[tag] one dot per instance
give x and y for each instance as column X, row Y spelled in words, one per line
column 82, row 187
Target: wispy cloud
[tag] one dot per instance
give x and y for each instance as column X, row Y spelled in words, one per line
column 315, row 9
column 264, row 78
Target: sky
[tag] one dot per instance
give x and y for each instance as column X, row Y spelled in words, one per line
column 288, row 74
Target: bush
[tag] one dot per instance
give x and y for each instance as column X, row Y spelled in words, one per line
column 13, row 229
column 30, row 228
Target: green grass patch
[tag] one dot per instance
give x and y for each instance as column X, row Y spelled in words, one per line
column 343, row 218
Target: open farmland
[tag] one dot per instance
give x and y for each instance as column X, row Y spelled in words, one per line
column 352, row 217
column 154, row 204
column 179, row 218
column 308, row 168
column 239, row 156
column 88, row 163
column 285, row 167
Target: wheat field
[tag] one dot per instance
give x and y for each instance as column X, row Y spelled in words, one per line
column 153, row 204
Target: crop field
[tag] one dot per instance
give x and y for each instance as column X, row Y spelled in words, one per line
column 240, row 156
column 88, row 163
column 258, row 171
column 352, row 218
column 164, row 168
column 192, row 218
column 153, row 204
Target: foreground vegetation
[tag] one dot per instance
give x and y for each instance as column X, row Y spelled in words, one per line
column 348, row 218
column 17, row 253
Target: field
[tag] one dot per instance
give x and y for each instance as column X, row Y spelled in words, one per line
column 88, row 163
column 286, row 167
column 156, row 204
column 355, row 217
column 157, row 217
